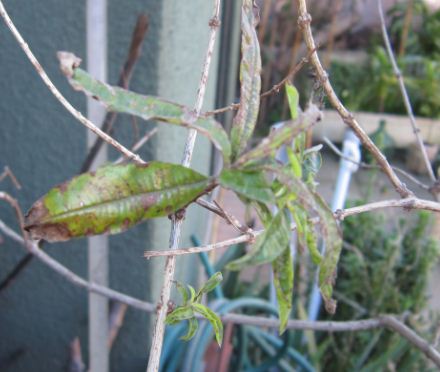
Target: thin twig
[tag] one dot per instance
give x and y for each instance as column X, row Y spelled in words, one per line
column 134, row 52
column 341, row 214
column 404, row 93
column 177, row 220
column 8, row 173
column 304, row 20
column 374, row 166
column 14, row 204
column 275, row 89
column 33, row 248
column 229, row 218
column 406, row 203
column 325, row 326
column 116, row 319
column 81, row 118
column 138, row 144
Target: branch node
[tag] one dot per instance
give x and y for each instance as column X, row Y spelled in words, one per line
column 214, row 22
column 304, row 20
column 68, row 62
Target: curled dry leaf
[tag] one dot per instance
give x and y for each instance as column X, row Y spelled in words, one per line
column 113, row 199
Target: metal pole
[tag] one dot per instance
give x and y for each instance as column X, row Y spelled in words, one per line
column 96, row 25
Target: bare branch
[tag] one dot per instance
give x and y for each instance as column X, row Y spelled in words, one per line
column 138, row 144
column 304, row 20
column 374, row 166
column 162, row 309
column 340, row 326
column 81, row 118
column 134, row 52
column 229, row 218
column 406, row 203
column 404, row 92
column 8, row 173
column 275, row 89
column 14, row 204
column 33, row 248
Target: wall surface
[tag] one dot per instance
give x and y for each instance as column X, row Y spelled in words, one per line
column 40, row 313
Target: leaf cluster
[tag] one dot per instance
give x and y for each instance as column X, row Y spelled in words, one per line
column 192, row 305
column 115, row 198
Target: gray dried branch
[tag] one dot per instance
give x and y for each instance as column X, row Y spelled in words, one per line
column 404, row 92
column 374, row 166
column 405, row 203
column 8, row 173
column 176, row 224
column 134, row 52
column 388, row 321
column 304, row 20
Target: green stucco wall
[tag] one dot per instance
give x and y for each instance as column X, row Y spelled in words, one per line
column 40, row 313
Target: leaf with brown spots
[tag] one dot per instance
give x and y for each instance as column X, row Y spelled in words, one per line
column 113, row 199
column 146, row 107
column 250, row 79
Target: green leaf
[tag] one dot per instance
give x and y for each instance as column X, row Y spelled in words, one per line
column 193, row 324
column 283, row 275
column 269, row 245
column 212, row 282
column 330, row 232
column 312, row 243
column 113, row 199
column 193, row 294
column 293, row 99
column 249, row 184
column 333, row 245
column 250, row 70
column 213, row 318
column 294, row 163
column 183, row 292
column 146, row 107
column 180, row 313
column 281, row 136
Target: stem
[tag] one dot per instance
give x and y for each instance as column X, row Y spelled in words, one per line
column 404, row 92
column 304, row 20
column 177, row 220
column 387, row 321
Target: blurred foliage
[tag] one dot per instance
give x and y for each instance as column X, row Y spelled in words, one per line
column 384, row 269
column 372, row 86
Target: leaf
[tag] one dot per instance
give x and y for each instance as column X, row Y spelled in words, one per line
column 283, row 274
column 193, row 293
column 113, row 199
column 212, row 282
column 213, row 318
column 293, row 99
column 269, row 245
column 146, row 107
column 250, row 70
column 281, row 136
column 294, row 163
column 183, row 292
column 178, row 314
column 333, row 245
column 330, row 232
column 249, row 184
column 312, row 243
column 193, row 325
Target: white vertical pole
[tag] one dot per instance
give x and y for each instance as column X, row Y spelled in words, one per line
column 96, row 24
